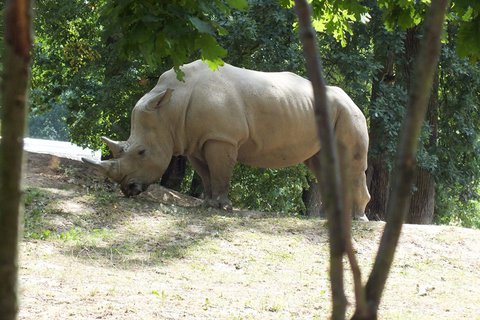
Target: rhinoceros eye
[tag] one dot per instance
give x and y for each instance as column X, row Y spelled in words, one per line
column 141, row 152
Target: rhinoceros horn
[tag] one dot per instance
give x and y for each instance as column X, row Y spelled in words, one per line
column 114, row 146
column 103, row 167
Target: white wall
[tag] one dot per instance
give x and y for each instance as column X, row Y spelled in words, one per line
column 60, row 148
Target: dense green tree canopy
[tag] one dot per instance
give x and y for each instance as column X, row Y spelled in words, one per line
column 93, row 60
column 172, row 30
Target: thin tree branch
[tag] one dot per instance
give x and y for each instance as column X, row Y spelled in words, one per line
column 360, row 301
column 402, row 176
column 330, row 183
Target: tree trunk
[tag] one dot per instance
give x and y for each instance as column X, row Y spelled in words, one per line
column 312, row 199
column 14, row 96
column 378, row 187
column 422, row 204
column 378, row 184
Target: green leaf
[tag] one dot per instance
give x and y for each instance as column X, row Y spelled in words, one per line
column 220, row 29
column 467, row 40
column 210, row 49
column 405, row 19
column 238, row 4
column 180, row 74
column 201, row 25
column 150, row 18
column 214, row 64
column 318, row 25
column 287, row 3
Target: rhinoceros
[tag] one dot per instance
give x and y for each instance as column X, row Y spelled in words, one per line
column 218, row 118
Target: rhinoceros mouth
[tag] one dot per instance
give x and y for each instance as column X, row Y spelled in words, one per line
column 132, row 189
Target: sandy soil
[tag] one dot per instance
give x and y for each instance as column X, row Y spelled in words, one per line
column 89, row 253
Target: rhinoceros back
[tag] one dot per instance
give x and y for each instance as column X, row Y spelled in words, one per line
column 267, row 115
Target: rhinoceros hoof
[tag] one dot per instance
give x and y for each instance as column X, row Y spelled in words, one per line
column 218, row 204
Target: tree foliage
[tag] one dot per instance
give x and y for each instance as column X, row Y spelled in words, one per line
column 355, row 67
column 95, row 85
column 173, row 30
column 251, row 41
column 50, row 125
column 95, row 72
column 457, row 150
column 465, row 13
column 271, row 190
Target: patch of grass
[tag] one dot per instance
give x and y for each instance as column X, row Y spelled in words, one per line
column 38, row 235
column 206, row 304
column 123, row 250
column 87, row 236
column 73, row 234
column 45, row 219
column 184, row 262
column 280, row 255
column 171, row 251
column 275, row 308
column 36, row 201
column 162, row 295
column 93, row 292
column 35, row 196
column 33, row 223
column 271, row 306
column 248, row 317
column 103, row 197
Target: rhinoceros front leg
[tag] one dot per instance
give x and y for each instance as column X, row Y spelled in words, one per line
column 201, row 168
column 220, row 158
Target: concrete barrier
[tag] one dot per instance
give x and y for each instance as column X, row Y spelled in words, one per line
column 60, row 148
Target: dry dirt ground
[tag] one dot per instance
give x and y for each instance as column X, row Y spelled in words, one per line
column 89, row 253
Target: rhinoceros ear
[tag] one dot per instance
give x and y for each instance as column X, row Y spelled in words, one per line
column 161, row 99
column 116, row 147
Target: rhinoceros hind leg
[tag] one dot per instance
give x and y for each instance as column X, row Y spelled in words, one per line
column 360, row 195
column 356, row 180
column 355, row 157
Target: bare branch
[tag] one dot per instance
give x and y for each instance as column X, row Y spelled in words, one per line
column 330, row 183
column 360, row 301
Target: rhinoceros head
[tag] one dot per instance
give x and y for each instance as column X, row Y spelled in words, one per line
column 144, row 157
